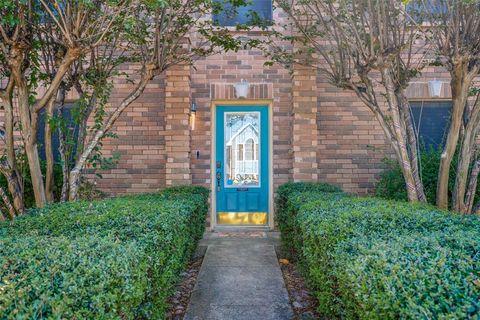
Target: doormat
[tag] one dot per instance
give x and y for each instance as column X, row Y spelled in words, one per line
column 242, row 234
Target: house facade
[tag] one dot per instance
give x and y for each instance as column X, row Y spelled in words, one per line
column 193, row 126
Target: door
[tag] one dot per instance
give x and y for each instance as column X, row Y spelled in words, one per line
column 241, row 166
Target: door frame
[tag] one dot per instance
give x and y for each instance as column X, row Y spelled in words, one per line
column 213, row 126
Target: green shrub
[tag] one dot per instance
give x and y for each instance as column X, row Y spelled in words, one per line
column 289, row 197
column 117, row 258
column 368, row 258
column 391, row 184
column 27, row 183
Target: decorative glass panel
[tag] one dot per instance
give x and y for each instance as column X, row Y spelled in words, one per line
column 242, row 163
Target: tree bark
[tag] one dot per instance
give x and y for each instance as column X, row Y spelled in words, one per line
column 8, row 204
column 460, row 84
column 413, row 146
column 13, row 177
column 82, row 126
column 75, row 173
column 63, row 148
column 50, row 161
column 15, row 187
column 400, row 137
column 472, row 189
column 467, row 149
column 29, row 123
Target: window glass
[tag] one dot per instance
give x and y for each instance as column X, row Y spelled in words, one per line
column 71, row 133
column 249, row 145
column 241, row 135
column 425, row 11
column 431, row 120
column 255, row 12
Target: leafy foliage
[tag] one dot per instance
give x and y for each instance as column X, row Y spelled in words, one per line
column 289, row 196
column 391, row 184
column 115, row 258
column 369, row 258
column 27, row 182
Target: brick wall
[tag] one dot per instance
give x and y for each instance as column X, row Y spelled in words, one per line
column 140, row 143
column 228, row 69
column 351, row 144
column 319, row 132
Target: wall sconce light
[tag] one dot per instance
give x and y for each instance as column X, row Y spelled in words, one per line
column 435, row 88
column 193, row 113
column 241, row 89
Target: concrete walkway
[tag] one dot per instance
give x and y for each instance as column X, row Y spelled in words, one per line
column 239, row 279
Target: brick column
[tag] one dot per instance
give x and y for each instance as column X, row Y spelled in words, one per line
column 177, row 126
column 305, row 133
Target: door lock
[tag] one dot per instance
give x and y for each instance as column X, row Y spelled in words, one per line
column 219, row 177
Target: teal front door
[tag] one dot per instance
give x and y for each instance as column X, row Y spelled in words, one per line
column 241, row 165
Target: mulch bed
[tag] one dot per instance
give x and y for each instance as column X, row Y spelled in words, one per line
column 179, row 301
column 303, row 303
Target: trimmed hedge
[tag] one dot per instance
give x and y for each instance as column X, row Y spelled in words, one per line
column 290, row 196
column 117, row 258
column 368, row 258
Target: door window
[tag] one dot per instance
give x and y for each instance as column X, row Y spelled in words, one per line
column 242, row 139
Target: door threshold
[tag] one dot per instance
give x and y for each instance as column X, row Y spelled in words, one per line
column 239, row 228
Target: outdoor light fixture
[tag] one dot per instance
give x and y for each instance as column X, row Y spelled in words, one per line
column 193, row 108
column 241, row 89
column 435, row 88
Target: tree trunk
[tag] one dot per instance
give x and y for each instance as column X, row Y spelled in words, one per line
column 29, row 122
column 15, row 187
column 460, row 85
column 82, row 126
column 8, row 204
column 29, row 114
column 49, row 175
column 14, row 180
column 472, row 188
column 75, row 173
column 31, row 150
column 413, row 146
column 466, row 152
column 400, row 137
column 63, row 156
column 63, row 148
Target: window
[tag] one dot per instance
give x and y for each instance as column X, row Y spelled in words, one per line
column 72, row 133
column 240, row 152
column 425, row 11
column 249, row 153
column 431, row 120
column 255, row 12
